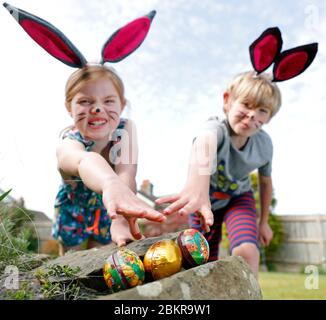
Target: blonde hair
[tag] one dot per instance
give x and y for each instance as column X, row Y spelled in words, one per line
column 258, row 90
column 88, row 74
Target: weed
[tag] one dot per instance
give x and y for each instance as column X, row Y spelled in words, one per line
column 61, row 283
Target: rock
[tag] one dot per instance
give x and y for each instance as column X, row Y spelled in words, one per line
column 229, row 279
column 20, row 282
column 91, row 261
column 24, row 287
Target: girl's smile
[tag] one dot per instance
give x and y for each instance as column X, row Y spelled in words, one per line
column 97, row 123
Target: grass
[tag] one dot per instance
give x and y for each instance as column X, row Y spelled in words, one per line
column 290, row 286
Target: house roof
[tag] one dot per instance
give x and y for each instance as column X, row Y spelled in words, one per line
column 40, row 216
column 150, row 197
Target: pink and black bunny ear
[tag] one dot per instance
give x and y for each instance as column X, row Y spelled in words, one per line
column 48, row 37
column 293, row 62
column 127, row 39
column 265, row 49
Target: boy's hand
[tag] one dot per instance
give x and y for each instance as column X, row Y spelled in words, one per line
column 190, row 202
column 265, row 234
column 119, row 199
column 124, row 231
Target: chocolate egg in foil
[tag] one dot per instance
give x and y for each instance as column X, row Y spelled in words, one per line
column 123, row 269
column 194, row 248
column 163, row 259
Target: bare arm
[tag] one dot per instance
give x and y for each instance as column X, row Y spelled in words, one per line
column 195, row 195
column 91, row 167
column 265, row 192
column 126, row 169
column 98, row 175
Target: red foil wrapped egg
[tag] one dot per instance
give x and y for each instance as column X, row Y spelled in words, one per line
column 194, row 248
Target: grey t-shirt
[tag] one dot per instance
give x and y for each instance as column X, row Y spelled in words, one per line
column 233, row 166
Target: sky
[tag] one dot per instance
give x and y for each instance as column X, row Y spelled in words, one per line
column 174, row 82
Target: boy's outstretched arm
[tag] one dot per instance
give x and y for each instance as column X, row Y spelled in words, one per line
column 194, row 197
column 265, row 192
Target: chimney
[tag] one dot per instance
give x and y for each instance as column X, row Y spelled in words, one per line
column 147, row 187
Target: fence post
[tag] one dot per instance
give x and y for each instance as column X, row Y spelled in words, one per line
column 321, row 238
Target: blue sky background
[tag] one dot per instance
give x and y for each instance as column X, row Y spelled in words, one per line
column 174, row 82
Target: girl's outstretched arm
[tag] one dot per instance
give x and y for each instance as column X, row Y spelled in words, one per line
column 194, row 198
column 124, row 229
column 98, row 175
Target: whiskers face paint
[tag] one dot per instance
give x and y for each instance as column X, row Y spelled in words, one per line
column 79, row 117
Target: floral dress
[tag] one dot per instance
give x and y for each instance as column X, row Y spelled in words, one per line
column 79, row 211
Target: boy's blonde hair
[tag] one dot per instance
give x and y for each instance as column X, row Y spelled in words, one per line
column 256, row 90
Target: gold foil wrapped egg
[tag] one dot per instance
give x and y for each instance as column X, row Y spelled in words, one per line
column 163, row 259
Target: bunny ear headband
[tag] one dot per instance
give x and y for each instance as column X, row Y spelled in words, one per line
column 121, row 43
column 287, row 64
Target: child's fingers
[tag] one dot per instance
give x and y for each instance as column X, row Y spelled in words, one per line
column 208, row 215
column 142, row 212
column 134, row 229
column 187, row 209
column 262, row 241
column 122, row 240
column 153, row 215
column 206, row 218
column 167, row 199
column 176, row 206
column 111, row 209
column 121, row 243
column 203, row 223
column 131, row 211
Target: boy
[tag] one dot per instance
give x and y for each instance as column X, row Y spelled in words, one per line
column 218, row 185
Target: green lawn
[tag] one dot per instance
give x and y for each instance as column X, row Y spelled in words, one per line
column 289, row 286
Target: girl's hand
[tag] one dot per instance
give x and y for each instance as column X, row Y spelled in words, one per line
column 124, row 231
column 189, row 201
column 265, row 234
column 119, row 199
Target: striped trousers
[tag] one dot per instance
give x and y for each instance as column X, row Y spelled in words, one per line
column 241, row 224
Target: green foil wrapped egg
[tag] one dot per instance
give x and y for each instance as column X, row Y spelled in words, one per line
column 123, row 269
column 194, row 248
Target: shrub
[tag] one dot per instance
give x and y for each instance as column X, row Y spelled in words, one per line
column 15, row 236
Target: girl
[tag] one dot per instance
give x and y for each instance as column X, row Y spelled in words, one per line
column 89, row 167
column 96, row 202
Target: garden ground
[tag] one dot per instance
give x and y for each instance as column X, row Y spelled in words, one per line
column 289, row 286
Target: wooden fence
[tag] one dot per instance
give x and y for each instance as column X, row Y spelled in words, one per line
column 305, row 240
